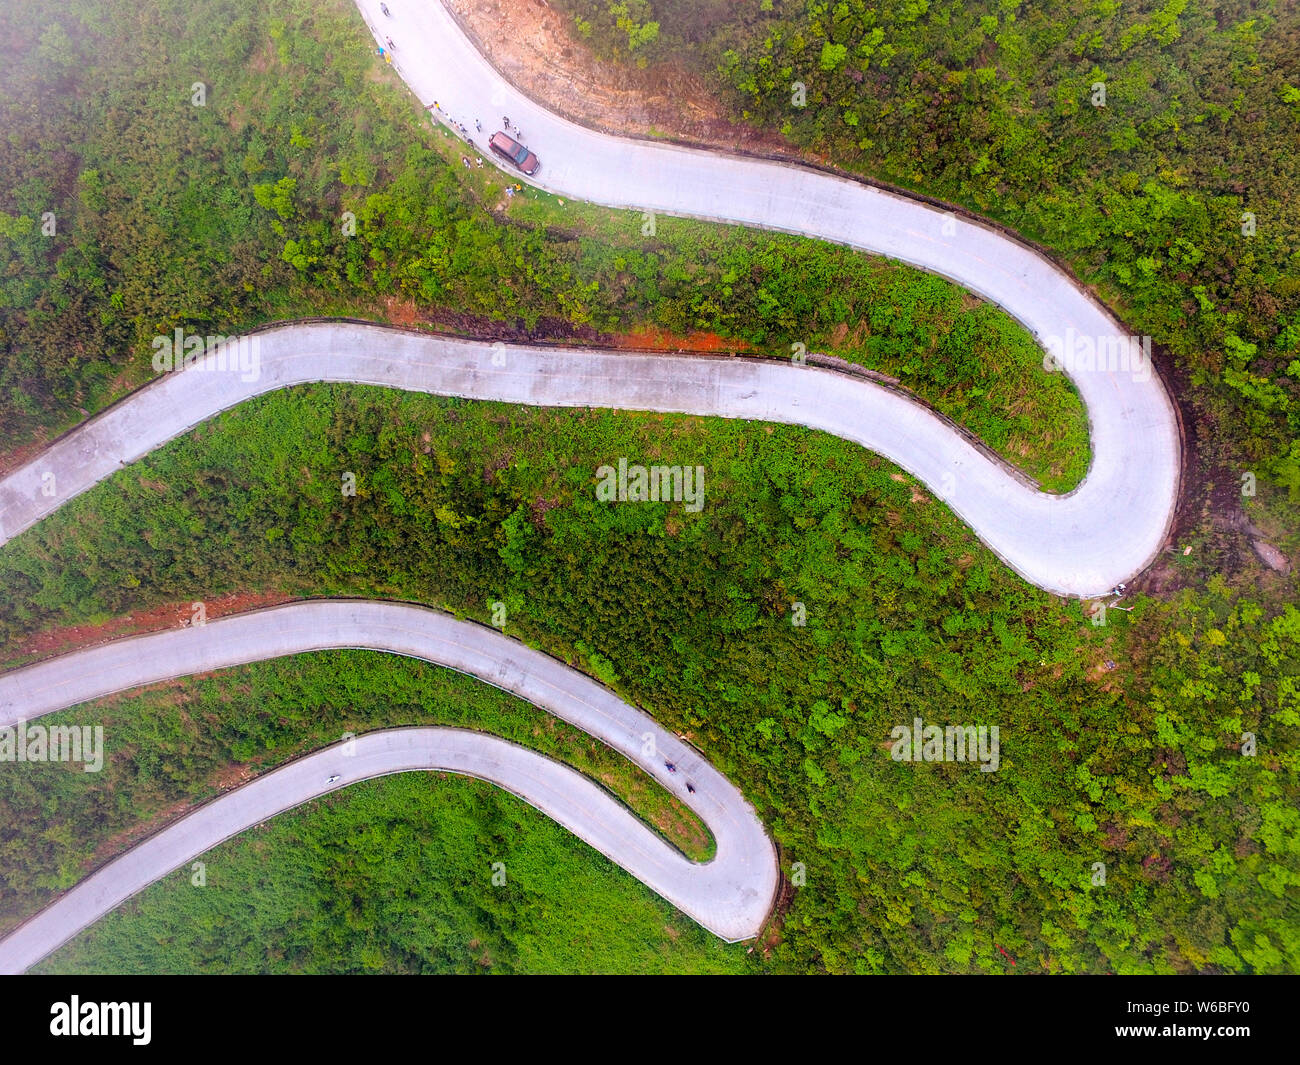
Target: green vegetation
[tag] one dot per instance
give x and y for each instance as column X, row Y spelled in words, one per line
column 394, row 876
column 220, row 217
column 180, row 743
column 929, row 867
column 627, row 29
column 990, row 104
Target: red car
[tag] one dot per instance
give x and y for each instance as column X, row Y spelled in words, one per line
column 511, row 149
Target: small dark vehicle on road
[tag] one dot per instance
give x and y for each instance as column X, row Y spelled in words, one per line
column 506, row 146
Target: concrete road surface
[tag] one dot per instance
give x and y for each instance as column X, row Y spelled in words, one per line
column 1082, row 544
column 1133, row 423
column 730, row 895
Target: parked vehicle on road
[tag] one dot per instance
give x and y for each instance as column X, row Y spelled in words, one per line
column 506, row 146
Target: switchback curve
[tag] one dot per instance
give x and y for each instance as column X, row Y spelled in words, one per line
column 730, row 895
column 1081, row 544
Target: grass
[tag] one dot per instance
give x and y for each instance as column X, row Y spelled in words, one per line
column 962, row 356
column 176, row 744
column 395, row 875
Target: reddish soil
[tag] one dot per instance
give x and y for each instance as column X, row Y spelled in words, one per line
column 13, row 458
column 653, row 338
column 404, row 312
column 558, row 331
column 168, row 616
column 537, row 49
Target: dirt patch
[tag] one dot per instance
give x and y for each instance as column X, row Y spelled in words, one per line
column 403, row 312
column 557, row 331
column 481, row 327
column 52, row 642
column 123, row 841
column 538, row 511
column 535, row 47
column 653, row 338
column 1271, row 556
column 10, row 460
column 771, row 936
column 234, row 775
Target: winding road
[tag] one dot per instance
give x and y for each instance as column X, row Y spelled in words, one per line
column 730, row 894
column 1081, row 544
column 1107, row 530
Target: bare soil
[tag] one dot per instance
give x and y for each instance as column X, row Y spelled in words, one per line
column 55, row 641
column 536, row 48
